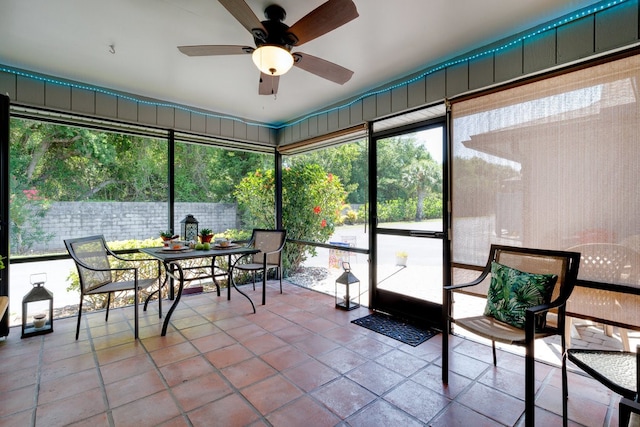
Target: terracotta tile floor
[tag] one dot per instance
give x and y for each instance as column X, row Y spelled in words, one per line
column 297, row 362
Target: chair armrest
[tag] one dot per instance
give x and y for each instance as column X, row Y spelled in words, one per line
column 121, row 258
column 546, row 307
column 88, row 267
column 477, row 281
column 241, row 257
column 272, row 252
column 531, row 313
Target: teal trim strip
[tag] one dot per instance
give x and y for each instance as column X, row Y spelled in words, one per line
column 278, row 126
column 129, row 98
column 556, row 24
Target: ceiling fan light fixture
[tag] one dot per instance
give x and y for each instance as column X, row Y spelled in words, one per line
column 272, row 60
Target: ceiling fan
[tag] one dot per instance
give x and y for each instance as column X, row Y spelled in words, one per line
column 274, row 41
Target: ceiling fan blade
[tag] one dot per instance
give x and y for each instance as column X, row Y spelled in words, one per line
column 245, row 16
column 322, row 68
column 214, row 49
column 324, row 18
column 268, row 84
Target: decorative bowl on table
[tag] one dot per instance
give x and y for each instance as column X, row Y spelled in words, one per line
column 176, row 245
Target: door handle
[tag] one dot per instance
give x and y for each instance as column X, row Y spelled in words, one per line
column 433, row 234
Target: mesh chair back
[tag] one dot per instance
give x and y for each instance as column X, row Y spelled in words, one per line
column 268, row 241
column 90, row 252
column 527, row 260
column 537, row 264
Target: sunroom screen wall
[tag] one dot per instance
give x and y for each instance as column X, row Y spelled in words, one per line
column 554, row 164
column 550, row 164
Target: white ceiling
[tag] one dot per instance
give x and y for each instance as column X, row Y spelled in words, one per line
column 71, row 39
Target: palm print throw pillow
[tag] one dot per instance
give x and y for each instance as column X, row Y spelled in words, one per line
column 513, row 291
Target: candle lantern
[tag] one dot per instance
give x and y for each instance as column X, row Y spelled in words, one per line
column 37, row 308
column 345, row 299
column 189, row 228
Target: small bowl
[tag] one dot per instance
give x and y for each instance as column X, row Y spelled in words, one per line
column 39, row 320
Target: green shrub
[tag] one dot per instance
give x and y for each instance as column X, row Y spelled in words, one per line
column 235, row 234
column 350, row 217
column 402, row 210
column 311, row 202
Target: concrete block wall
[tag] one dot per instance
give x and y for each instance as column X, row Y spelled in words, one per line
column 127, row 220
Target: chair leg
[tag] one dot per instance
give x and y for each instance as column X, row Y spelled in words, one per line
column 264, row 286
column 106, row 317
column 608, row 330
column 135, row 312
column 160, row 299
column 160, row 291
column 568, row 324
column 624, row 337
column 445, row 353
column 493, row 348
column 445, row 336
column 79, row 315
column 529, row 385
column 254, row 280
column 279, row 270
column 565, row 389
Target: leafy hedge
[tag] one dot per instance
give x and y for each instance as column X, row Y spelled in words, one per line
column 311, row 203
column 403, row 210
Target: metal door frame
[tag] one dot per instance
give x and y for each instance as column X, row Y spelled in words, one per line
column 419, row 311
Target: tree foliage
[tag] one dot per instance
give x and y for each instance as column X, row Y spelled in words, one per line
column 311, row 200
column 51, row 162
column 348, row 161
column 71, row 163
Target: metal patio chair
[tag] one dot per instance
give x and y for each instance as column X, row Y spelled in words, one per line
column 526, row 262
column 270, row 243
column 92, row 257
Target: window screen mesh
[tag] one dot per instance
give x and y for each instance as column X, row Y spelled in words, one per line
column 552, row 164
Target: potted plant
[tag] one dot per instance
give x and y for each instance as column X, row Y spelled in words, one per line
column 401, row 258
column 167, row 235
column 206, row 234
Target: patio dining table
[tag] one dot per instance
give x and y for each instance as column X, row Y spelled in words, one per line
column 172, row 259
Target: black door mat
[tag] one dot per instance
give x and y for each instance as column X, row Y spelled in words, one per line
column 395, row 328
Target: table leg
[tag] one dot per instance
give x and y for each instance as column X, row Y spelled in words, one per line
column 213, row 275
column 171, row 292
column 170, row 271
column 232, row 282
column 229, row 277
column 159, row 291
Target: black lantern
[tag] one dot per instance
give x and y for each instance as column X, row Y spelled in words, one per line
column 189, row 228
column 347, row 301
column 37, row 308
